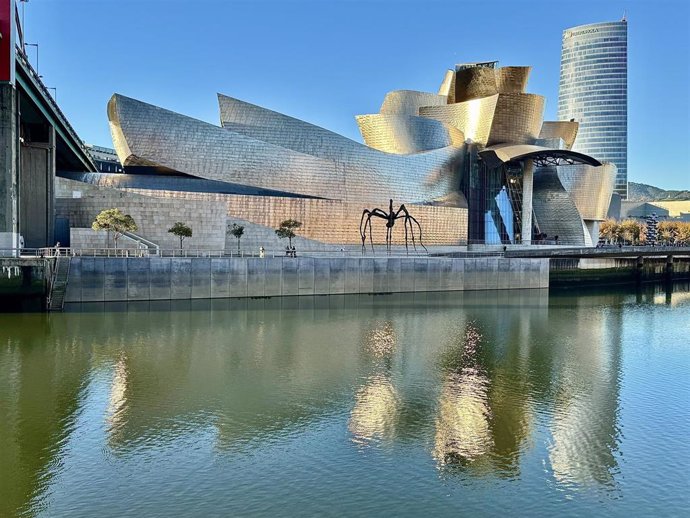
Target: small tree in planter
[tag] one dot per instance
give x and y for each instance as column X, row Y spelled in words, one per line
column 181, row 230
column 287, row 229
column 237, row 231
column 113, row 220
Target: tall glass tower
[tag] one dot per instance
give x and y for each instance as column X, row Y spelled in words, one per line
column 594, row 91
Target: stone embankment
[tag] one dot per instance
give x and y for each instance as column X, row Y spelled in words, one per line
column 98, row 279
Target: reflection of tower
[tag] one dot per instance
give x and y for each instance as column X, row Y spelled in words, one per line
column 463, row 422
column 375, row 413
column 462, row 426
column 585, row 429
column 485, row 411
column 117, row 402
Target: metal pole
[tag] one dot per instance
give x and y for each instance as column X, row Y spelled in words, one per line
column 33, row 45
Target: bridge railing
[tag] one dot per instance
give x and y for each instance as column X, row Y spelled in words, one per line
column 24, row 60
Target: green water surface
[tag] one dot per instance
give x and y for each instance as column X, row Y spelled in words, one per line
column 522, row 403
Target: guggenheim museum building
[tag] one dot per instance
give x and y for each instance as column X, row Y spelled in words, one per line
column 474, row 163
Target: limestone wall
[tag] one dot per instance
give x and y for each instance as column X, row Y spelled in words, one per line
column 153, row 215
column 333, row 221
column 87, row 238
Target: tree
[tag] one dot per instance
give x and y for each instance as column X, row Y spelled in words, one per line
column 238, row 232
column 181, row 230
column 665, row 232
column 608, row 230
column 683, row 233
column 631, row 231
column 113, row 220
column 287, row 229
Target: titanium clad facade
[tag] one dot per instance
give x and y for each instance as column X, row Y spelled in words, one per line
column 594, row 91
column 408, row 102
column 517, row 119
column 590, row 188
column 278, row 153
column 467, row 162
column 474, row 118
column 405, row 134
column 512, row 80
column 564, row 130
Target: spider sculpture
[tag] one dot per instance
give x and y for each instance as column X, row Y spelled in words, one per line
column 390, row 218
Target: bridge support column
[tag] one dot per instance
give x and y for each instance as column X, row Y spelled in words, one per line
column 527, row 187
column 9, row 140
column 668, row 271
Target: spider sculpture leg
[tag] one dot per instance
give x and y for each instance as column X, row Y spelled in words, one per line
column 414, row 242
column 420, row 233
column 371, row 236
column 407, row 249
column 366, row 219
column 411, row 219
column 378, row 213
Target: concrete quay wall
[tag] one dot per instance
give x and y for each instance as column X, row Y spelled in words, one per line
column 617, row 270
column 100, row 279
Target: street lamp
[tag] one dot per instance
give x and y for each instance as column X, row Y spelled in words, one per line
column 33, row 45
column 23, row 15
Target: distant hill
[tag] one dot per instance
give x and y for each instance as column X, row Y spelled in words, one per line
column 644, row 192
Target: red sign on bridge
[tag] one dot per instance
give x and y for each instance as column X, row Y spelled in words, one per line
column 7, row 36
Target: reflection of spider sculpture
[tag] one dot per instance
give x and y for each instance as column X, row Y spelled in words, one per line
column 390, row 218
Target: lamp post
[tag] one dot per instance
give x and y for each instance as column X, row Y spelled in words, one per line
column 33, row 45
column 23, row 14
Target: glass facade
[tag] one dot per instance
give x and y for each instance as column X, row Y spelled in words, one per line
column 494, row 200
column 594, row 91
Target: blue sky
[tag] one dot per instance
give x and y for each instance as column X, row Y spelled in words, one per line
column 327, row 61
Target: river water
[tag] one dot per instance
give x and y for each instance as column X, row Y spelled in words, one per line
column 524, row 402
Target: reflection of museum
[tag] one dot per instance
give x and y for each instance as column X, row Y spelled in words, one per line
column 474, row 162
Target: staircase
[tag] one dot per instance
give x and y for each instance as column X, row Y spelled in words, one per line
column 515, row 196
column 146, row 246
column 58, row 283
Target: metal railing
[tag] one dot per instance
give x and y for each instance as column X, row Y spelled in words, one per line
column 142, row 243
column 354, row 252
column 47, row 252
column 24, row 59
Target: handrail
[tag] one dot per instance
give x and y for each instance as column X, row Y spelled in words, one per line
column 141, row 241
column 353, row 252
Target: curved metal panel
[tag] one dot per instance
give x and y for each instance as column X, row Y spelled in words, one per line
column 408, row 102
column 474, row 83
column 350, row 171
column 279, row 129
column 517, row 119
column 589, row 187
column 503, row 153
column 404, row 134
column 167, row 182
column 512, row 79
column 565, row 130
column 448, row 85
column 473, row 118
column 119, row 142
column 554, row 210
